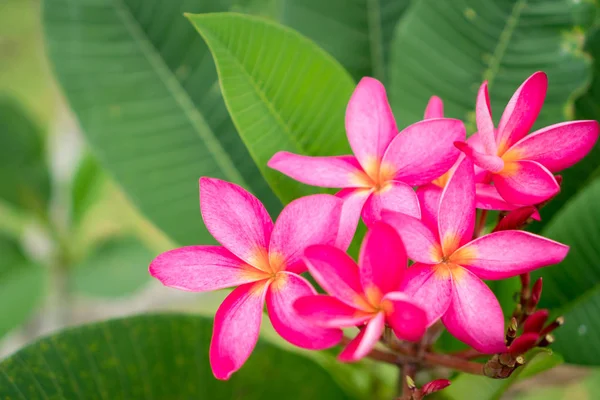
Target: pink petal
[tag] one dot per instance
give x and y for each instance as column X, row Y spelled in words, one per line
column 370, row 124
column 474, row 315
column 382, row 261
column 305, row 221
column 330, row 172
column 395, row 196
column 423, row 151
column 236, row 328
column 488, row 198
column 504, row 254
column 429, row 199
column 521, row 111
column 435, row 108
column 456, row 217
column 474, row 142
column 329, row 312
column 203, row 268
column 526, row 183
column 364, row 342
column 354, row 201
column 488, row 162
column 281, row 296
column 237, row 219
column 337, row 273
column 408, row 321
column 420, row 242
column 558, row 146
column 485, row 125
column 429, row 289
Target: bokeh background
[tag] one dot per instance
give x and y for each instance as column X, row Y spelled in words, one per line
column 74, row 246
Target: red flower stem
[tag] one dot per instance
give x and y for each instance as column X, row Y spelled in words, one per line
column 480, row 223
column 409, row 369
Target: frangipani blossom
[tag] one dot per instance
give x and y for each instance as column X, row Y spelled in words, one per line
column 446, row 277
column 486, row 195
column 261, row 258
column 521, row 165
column 386, row 164
column 366, row 294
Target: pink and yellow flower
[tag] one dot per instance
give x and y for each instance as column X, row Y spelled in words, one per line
column 262, row 259
column 446, row 277
column 363, row 295
column 521, row 166
column 386, row 164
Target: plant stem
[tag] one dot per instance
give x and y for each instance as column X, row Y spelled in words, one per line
column 408, row 370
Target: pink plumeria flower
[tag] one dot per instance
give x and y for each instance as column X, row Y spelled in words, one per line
column 386, row 164
column 486, row 195
column 521, row 165
column 446, row 277
column 364, row 294
column 262, row 259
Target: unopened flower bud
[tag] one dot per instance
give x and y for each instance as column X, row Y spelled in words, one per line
column 410, row 383
column 435, row 386
column 535, row 322
column 511, row 331
column 516, row 219
column 555, row 324
column 546, row 341
column 536, row 293
column 523, row 344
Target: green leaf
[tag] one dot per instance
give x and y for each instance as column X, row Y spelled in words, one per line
column 118, row 267
column 145, row 92
column 154, row 357
column 282, row 91
column 576, row 388
column 22, row 285
column 572, row 287
column 356, row 33
column 448, row 48
column 85, row 187
column 23, row 171
column 479, row 387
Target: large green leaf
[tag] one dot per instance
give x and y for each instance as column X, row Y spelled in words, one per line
column 573, row 286
column 85, row 187
column 144, row 89
column 22, row 285
column 282, row 91
column 154, row 357
column 448, row 48
column 24, row 176
column 356, row 33
column 576, row 388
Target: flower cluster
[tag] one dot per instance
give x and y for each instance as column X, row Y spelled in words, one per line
column 434, row 226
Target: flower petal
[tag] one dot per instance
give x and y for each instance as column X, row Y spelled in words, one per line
column 420, row 242
column 395, row 196
column 202, row 268
column 488, row 162
column 329, row 312
column 329, row 172
column 364, row 342
column 429, row 200
column 526, row 183
column 408, row 321
column 423, row 151
column 382, row 261
column 483, row 116
column 305, row 221
column 429, row 289
column 474, row 316
column 236, row 328
column 237, row 219
column 336, row 272
column 354, row 201
column 281, row 296
column 521, row 111
column 370, row 124
column 558, row 146
column 435, row 108
column 456, row 217
column 504, row 254
column 488, row 198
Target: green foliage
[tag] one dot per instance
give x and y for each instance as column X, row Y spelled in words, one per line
column 447, row 48
column 22, row 285
column 579, row 388
column 117, row 267
column 154, row 357
column 356, row 33
column 145, row 92
column 85, row 188
column 282, row 91
column 23, row 172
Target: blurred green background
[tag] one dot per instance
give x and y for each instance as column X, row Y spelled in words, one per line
column 110, row 110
